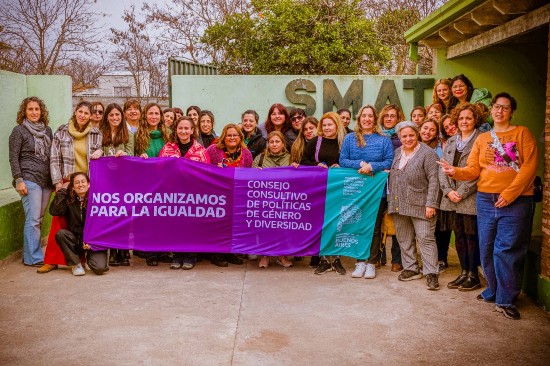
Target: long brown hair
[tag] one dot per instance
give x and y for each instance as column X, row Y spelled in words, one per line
column 269, row 127
column 299, row 145
column 21, row 114
column 122, row 136
column 72, row 194
column 143, row 132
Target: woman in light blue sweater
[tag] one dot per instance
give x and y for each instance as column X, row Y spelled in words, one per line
column 369, row 152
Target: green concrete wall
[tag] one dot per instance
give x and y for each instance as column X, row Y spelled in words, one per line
column 55, row 91
column 227, row 96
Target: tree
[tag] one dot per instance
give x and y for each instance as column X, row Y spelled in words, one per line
column 182, row 23
column 44, row 36
column 298, row 37
column 140, row 54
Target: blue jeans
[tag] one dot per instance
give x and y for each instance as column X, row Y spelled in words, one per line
column 503, row 240
column 34, row 204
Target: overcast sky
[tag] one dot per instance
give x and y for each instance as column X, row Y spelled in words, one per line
column 115, row 8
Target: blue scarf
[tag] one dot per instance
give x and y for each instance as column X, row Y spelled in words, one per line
column 389, row 132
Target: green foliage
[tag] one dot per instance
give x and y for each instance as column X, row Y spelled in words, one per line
column 298, row 37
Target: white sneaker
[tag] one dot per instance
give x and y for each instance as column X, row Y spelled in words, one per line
column 252, row 257
column 370, row 272
column 359, row 271
column 78, row 270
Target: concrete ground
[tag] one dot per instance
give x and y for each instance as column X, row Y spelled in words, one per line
column 244, row 315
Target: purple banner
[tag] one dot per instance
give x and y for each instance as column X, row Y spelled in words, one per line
column 168, row 204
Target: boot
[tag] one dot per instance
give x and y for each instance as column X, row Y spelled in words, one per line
column 113, row 257
column 471, row 283
column 458, row 281
column 122, row 258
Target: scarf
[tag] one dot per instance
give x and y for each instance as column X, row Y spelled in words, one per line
column 389, row 132
column 460, row 145
column 78, row 135
column 42, row 142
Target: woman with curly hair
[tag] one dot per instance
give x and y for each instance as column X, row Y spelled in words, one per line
column 29, row 155
column 73, row 145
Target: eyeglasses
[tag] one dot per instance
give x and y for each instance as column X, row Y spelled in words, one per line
column 392, row 116
column 232, row 136
column 297, row 118
column 94, row 111
column 505, row 108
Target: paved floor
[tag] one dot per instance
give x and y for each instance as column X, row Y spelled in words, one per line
column 243, row 315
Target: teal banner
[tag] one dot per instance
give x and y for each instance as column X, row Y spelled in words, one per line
column 351, row 206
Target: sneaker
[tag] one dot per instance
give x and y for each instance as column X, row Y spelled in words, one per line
column 407, row 275
column 324, row 267
column 252, row 257
column 176, row 264
column 370, row 271
column 337, row 266
column 78, row 270
column 283, row 261
column 510, row 312
column 188, row 264
column 432, row 282
column 441, row 266
column 359, row 271
column 314, row 262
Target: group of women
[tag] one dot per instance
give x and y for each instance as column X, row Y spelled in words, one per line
column 490, row 173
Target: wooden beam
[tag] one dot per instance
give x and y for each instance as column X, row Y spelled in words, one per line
column 434, row 41
column 451, row 35
column 520, row 25
column 517, row 7
column 487, row 15
column 468, row 27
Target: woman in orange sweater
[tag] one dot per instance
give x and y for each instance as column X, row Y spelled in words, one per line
column 505, row 160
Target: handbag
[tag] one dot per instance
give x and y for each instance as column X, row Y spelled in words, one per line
column 388, row 227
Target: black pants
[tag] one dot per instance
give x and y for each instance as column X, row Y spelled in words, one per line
column 71, row 246
column 467, row 245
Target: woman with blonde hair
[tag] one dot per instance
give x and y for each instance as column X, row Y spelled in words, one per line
column 369, row 152
column 324, row 151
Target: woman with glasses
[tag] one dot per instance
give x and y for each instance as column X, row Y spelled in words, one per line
column 73, row 145
column 413, row 199
column 253, row 138
column 368, row 152
column 97, row 114
column 206, row 135
column 117, row 141
column 505, row 160
column 297, row 116
column 29, row 154
column 229, row 152
column 389, row 116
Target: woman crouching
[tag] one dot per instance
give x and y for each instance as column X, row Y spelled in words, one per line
column 71, row 202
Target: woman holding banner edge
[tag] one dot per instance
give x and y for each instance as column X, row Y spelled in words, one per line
column 324, row 151
column 369, row 152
